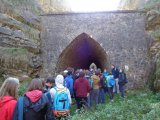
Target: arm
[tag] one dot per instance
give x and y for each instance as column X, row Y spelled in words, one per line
column 52, row 93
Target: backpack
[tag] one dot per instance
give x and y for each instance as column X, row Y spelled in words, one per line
column 111, row 82
column 61, row 102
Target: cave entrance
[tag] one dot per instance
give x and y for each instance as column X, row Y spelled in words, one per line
column 81, row 52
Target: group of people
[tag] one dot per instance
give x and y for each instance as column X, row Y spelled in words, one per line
column 52, row 98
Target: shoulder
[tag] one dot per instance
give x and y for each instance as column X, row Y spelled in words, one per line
column 52, row 90
column 12, row 103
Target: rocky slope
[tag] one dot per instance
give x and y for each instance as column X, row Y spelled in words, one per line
column 19, row 37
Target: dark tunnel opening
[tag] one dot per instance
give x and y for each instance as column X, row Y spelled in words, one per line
column 80, row 53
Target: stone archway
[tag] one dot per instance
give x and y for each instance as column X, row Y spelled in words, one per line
column 81, row 52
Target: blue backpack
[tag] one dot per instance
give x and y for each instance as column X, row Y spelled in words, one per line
column 112, row 82
column 61, row 102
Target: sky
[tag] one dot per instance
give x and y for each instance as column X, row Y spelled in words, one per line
column 93, row 5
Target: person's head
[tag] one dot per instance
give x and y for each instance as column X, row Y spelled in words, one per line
column 112, row 66
column 69, row 73
column 121, row 70
column 81, row 74
column 110, row 73
column 65, row 73
column 36, row 84
column 59, row 80
column 9, row 87
column 105, row 70
column 97, row 72
column 50, row 81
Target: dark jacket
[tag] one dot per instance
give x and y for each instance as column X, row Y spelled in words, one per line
column 115, row 73
column 122, row 78
column 81, row 87
column 102, row 82
column 39, row 110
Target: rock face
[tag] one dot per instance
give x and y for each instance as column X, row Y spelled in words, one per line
column 20, row 29
column 121, row 34
column 153, row 27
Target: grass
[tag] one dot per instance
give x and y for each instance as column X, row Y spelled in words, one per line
column 139, row 105
column 13, row 51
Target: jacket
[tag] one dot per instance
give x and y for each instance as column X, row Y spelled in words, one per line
column 69, row 83
column 108, row 79
column 7, row 105
column 81, row 87
column 36, row 107
column 96, row 81
column 122, row 78
column 115, row 73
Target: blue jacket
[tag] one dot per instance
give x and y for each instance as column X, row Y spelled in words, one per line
column 69, row 83
column 108, row 79
column 115, row 73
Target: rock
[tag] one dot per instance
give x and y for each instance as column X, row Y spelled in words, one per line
column 153, row 19
column 24, row 77
column 7, row 31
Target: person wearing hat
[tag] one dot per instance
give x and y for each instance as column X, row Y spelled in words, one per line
column 61, row 98
column 59, row 84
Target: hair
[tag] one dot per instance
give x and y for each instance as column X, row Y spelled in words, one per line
column 69, row 72
column 9, row 88
column 36, row 84
column 81, row 74
column 113, row 65
column 50, row 80
column 110, row 73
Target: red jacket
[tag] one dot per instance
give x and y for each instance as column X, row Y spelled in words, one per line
column 7, row 105
column 81, row 86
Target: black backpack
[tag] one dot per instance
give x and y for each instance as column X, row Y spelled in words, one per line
column 36, row 111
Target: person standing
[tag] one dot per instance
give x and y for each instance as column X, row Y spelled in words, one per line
column 35, row 104
column 61, row 98
column 69, row 82
column 95, row 92
column 82, row 89
column 115, row 73
column 8, row 98
column 109, row 86
column 122, row 81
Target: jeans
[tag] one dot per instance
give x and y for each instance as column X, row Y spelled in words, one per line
column 121, row 88
column 94, row 96
column 101, row 95
column 110, row 92
column 116, row 86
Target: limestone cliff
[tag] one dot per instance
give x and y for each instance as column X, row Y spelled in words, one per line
column 20, row 28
